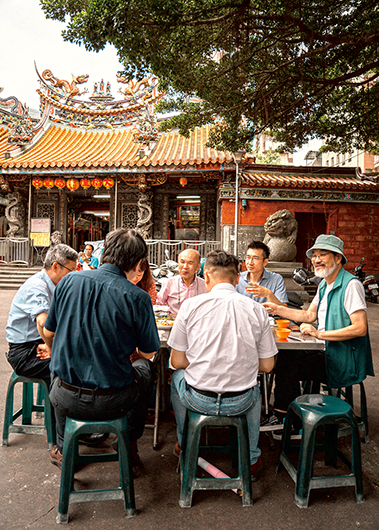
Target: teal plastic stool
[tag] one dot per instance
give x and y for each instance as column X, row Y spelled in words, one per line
column 71, row 456
column 315, row 411
column 190, row 453
column 28, row 406
column 346, row 393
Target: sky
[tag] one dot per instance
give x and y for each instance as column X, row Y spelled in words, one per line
column 27, row 36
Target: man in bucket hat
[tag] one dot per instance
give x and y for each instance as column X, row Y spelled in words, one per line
column 340, row 308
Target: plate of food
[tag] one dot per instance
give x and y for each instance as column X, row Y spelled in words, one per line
column 164, row 322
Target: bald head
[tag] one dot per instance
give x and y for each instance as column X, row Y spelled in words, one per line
column 189, row 264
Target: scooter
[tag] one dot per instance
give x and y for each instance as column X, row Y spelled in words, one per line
column 302, row 277
column 165, row 270
column 369, row 282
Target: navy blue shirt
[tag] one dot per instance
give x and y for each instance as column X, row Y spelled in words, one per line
column 99, row 319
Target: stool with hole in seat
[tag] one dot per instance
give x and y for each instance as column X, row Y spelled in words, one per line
column 328, row 412
column 190, row 452
column 71, row 456
column 27, row 408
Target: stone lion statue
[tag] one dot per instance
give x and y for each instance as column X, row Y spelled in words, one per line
column 281, row 233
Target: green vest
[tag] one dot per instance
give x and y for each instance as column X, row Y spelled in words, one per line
column 347, row 361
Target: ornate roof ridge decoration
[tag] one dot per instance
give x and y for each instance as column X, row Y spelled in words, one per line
column 15, row 115
column 60, row 101
column 143, row 180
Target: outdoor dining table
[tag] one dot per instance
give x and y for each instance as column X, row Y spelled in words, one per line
column 295, row 341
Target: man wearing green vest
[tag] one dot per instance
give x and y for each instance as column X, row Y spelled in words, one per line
column 341, row 312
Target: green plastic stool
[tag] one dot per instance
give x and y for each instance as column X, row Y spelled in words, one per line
column 346, row 393
column 190, row 453
column 71, row 456
column 315, row 411
column 28, row 406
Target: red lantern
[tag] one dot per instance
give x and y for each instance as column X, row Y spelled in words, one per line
column 85, row 183
column 48, row 183
column 60, row 183
column 183, row 181
column 97, row 183
column 72, row 184
column 37, row 183
column 108, row 183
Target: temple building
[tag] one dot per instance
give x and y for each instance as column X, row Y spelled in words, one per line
column 90, row 165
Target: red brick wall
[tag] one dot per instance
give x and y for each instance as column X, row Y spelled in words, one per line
column 356, row 224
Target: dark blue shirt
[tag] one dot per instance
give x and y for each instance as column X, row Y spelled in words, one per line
column 99, row 319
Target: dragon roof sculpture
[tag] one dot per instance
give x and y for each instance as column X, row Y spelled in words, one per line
column 59, row 100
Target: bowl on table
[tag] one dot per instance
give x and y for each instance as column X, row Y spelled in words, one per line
column 282, row 323
column 282, row 333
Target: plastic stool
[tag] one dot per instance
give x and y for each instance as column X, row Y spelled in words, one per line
column 27, row 408
column 190, row 453
column 315, row 411
column 71, row 456
column 346, row 393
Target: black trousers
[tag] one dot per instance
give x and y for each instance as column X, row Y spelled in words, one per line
column 293, row 366
column 24, row 361
column 132, row 400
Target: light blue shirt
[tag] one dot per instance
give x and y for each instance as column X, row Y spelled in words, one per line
column 270, row 280
column 32, row 298
column 94, row 262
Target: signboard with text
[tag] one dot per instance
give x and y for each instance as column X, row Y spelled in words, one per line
column 40, row 232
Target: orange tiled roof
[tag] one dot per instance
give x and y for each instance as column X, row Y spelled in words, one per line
column 308, row 181
column 62, row 147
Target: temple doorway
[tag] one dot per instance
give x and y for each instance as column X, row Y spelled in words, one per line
column 311, row 225
column 184, row 217
column 87, row 219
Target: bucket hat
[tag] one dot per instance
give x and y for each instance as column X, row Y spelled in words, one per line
column 327, row 242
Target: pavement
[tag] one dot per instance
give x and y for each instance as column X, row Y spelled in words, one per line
column 29, row 484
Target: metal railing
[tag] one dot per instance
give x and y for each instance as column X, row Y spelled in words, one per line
column 21, row 250
column 15, row 251
column 157, row 248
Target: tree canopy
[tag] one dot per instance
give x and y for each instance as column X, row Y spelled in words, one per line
column 299, row 68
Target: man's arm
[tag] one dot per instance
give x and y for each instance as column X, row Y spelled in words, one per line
column 49, row 336
column 40, row 320
column 146, row 355
column 357, row 328
column 299, row 315
column 266, row 364
column 179, row 359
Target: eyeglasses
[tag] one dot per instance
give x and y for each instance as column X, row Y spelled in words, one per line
column 321, row 256
column 253, row 258
column 64, row 266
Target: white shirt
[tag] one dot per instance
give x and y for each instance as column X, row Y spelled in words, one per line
column 224, row 334
column 354, row 301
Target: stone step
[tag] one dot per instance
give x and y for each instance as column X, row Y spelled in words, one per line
column 13, row 276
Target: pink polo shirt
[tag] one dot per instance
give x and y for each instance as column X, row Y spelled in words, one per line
column 174, row 291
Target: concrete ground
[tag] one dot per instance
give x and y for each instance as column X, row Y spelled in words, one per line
column 29, row 484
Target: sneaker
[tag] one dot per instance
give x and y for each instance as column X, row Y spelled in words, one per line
column 56, row 457
column 295, row 434
column 255, row 469
column 271, row 423
column 93, row 440
column 176, row 449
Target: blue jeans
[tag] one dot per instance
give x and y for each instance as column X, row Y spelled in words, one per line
column 248, row 403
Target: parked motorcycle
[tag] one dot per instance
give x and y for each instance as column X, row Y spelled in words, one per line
column 369, row 281
column 302, row 277
column 165, row 270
